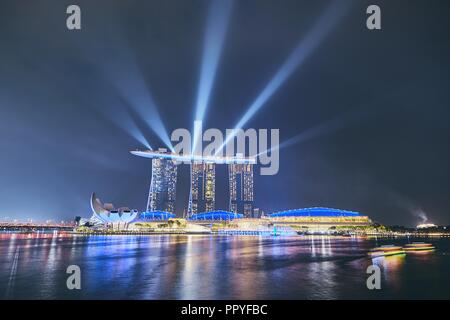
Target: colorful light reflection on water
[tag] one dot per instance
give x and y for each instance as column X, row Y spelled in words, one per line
column 34, row 266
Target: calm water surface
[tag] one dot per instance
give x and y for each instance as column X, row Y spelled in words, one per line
column 214, row 267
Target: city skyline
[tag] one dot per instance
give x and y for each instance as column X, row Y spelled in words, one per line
column 362, row 128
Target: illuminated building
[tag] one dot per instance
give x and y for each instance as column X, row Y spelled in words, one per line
column 426, row 226
column 203, row 187
column 155, row 215
column 320, row 218
column 257, row 213
column 163, row 184
column 106, row 214
column 241, row 188
column 216, row 215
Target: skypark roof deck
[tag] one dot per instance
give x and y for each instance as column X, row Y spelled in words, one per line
column 190, row 158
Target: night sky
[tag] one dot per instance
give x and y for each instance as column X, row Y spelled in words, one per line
column 65, row 104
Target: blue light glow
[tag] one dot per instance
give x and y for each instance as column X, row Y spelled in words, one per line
column 197, row 136
column 189, row 158
column 216, row 215
column 154, row 215
column 216, row 27
column 134, row 91
column 327, row 127
column 315, row 212
column 123, row 120
column 125, row 76
column 313, row 39
column 137, row 134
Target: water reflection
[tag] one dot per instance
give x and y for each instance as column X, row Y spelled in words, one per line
column 391, row 267
column 33, row 266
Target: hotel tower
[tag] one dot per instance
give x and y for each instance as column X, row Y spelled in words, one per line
column 241, row 188
column 202, row 196
column 203, row 187
column 163, row 184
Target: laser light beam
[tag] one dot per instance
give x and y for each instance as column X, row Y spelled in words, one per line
column 216, row 27
column 328, row 20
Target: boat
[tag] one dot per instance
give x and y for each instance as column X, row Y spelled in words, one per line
column 387, row 250
column 418, row 246
column 346, row 235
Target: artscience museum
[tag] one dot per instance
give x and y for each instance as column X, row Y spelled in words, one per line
column 107, row 214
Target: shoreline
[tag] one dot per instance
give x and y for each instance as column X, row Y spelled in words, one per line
column 215, row 233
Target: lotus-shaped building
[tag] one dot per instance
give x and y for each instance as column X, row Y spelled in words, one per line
column 107, row 214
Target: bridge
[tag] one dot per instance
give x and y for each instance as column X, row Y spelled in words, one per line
column 34, row 226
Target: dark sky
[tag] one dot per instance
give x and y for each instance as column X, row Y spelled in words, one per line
column 60, row 103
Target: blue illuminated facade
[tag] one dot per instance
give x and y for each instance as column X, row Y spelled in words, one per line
column 315, row 212
column 216, row 215
column 155, row 215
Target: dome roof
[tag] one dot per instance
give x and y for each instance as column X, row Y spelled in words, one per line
column 216, row 215
column 315, row 212
column 155, row 215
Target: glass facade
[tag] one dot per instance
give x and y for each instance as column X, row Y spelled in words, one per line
column 203, row 187
column 162, row 193
column 155, row 215
column 241, row 188
column 216, row 215
column 320, row 216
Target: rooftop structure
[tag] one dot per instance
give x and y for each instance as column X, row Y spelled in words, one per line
column 320, row 218
column 216, row 215
column 188, row 158
column 315, row 212
column 155, row 215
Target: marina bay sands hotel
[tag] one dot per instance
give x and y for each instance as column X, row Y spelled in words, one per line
column 162, row 193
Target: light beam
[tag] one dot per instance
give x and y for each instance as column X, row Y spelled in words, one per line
column 132, row 88
column 327, row 21
column 327, row 127
column 216, row 27
column 124, row 121
column 122, row 72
